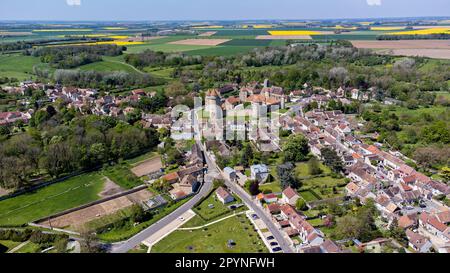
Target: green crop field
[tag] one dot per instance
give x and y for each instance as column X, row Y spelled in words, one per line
column 214, row 239
column 17, row 66
column 221, row 51
column 247, row 42
column 122, row 176
column 108, row 66
column 49, row 200
column 164, row 48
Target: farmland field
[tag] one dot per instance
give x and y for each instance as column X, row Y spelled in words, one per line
column 220, row 51
column 17, row 65
column 403, row 44
column 247, row 42
column 55, row 198
column 200, row 42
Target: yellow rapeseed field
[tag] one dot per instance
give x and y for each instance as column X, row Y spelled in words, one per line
column 346, row 28
column 423, row 31
column 262, row 26
column 293, row 32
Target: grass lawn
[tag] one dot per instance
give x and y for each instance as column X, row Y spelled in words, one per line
column 139, row 249
column 30, row 248
column 308, row 196
column 9, row 244
column 323, row 186
column 302, row 169
column 218, row 209
column 135, row 161
column 107, row 65
column 49, row 200
column 274, row 187
column 214, row 239
column 17, row 66
column 316, row 222
column 122, row 176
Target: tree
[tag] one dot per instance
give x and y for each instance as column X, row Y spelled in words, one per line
column 218, row 183
column 246, row 155
column 296, row 148
column 301, row 204
column 397, row 232
column 286, row 175
column 332, row 160
column 253, row 187
column 314, row 166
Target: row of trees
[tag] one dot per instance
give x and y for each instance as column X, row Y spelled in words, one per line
column 57, row 147
column 152, row 58
column 74, row 56
column 104, row 80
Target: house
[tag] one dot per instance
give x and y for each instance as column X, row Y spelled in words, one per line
column 418, row 242
column 230, row 173
column 273, row 208
column 224, row 196
column 432, row 223
column 259, row 173
column 290, row 196
column 171, row 178
column 407, row 221
column 270, row 198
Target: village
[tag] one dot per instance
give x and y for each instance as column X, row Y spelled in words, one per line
column 401, row 194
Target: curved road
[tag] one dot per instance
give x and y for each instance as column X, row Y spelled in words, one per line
column 134, row 241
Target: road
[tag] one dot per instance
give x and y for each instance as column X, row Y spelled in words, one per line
column 245, row 197
column 134, row 241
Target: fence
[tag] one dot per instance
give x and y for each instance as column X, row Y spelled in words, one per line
column 47, row 218
column 61, row 179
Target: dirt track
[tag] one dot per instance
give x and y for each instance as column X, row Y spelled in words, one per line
column 80, row 217
column 149, row 166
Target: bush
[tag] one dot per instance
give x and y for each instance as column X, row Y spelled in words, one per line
column 15, row 235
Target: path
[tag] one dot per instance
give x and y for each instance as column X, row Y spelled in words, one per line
column 129, row 65
column 18, row 247
column 168, row 229
column 214, row 222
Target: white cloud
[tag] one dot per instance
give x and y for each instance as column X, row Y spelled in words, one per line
column 374, row 2
column 73, row 2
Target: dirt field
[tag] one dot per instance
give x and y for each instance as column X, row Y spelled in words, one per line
column 148, row 166
column 78, row 218
column 110, row 188
column 283, row 37
column 403, row 44
column 203, row 42
column 207, row 34
column 430, row 53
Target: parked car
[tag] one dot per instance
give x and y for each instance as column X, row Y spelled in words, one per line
column 270, row 238
column 276, row 249
column 273, row 243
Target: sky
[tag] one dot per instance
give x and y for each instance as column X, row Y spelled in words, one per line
column 154, row 10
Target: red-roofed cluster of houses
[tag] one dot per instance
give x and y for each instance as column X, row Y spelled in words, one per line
column 305, row 237
column 374, row 173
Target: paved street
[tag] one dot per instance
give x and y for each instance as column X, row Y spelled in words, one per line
column 124, row 247
column 247, row 199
